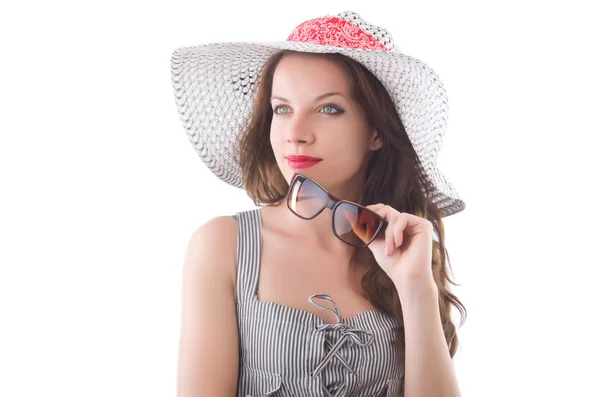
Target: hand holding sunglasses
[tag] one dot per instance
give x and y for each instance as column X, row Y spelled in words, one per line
column 406, row 251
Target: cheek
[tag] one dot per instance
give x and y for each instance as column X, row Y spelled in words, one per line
column 348, row 150
column 275, row 141
column 346, row 144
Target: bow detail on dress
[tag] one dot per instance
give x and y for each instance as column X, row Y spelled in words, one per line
column 357, row 336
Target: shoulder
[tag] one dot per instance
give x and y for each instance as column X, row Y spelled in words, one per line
column 208, row 312
column 222, row 225
column 211, row 249
column 221, row 230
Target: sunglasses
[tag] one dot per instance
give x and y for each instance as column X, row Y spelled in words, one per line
column 352, row 223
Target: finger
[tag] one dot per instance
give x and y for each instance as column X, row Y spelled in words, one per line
column 399, row 226
column 389, row 238
column 413, row 224
column 383, row 210
column 374, row 207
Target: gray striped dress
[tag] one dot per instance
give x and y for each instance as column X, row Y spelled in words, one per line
column 292, row 352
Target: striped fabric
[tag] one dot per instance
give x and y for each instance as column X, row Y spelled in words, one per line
column 291, row 352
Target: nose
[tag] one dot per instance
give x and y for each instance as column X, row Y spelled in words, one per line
column 300, row 130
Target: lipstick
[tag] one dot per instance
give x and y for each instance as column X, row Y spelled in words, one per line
column 302, row 161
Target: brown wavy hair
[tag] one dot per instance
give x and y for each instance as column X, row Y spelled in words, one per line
column 393, row 178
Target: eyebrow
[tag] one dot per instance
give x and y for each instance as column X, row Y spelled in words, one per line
column 328, row 94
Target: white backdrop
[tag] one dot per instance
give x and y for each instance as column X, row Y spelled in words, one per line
column 101, row 190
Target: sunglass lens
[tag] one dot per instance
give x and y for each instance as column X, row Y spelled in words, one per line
column 355, row 225
column 306, row 199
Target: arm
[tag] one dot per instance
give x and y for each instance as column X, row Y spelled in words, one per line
column 429, row 370
column 208, row 346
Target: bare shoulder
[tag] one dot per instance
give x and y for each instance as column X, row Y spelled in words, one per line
column 213, row 245
column 219, row 226
column 208, row 348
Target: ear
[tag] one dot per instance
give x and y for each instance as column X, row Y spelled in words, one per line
column 376, row 142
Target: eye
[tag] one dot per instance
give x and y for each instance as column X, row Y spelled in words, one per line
column 330, row 109
column 276, row 109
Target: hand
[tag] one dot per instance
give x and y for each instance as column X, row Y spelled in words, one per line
column 404, row 252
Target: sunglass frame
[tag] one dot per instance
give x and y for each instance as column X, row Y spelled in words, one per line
column 333, row 203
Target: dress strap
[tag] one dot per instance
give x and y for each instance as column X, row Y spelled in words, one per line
column 249, row 241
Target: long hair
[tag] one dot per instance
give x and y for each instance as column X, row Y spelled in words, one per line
column 394, row 177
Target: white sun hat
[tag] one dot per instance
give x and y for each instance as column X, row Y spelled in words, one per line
column 216, row 84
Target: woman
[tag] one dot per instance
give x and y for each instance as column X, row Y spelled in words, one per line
column 275, row 304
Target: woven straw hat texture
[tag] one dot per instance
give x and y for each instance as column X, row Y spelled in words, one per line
column 215, row 86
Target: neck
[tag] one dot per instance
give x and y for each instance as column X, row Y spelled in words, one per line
column 318, row 232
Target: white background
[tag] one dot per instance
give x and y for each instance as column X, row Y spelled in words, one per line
column 101, row 190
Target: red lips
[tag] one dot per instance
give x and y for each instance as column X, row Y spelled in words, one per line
column 301, row 161
column 302, row 158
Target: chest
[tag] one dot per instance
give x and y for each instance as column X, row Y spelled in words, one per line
column 290, row 273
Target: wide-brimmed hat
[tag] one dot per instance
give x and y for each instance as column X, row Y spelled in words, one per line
column 216, row 84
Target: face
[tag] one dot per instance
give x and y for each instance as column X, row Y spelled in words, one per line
column 314, row 115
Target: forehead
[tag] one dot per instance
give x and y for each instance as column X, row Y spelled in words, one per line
column 309, row 74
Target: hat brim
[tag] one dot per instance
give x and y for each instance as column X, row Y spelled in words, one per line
column 215, row 86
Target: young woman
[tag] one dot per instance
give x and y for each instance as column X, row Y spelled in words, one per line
column 338, row 284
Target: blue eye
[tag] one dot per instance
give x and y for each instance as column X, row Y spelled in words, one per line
column 326, row 109
column 275, row 110
column 332, row 109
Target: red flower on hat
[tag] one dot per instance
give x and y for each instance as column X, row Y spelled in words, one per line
column 336, row 32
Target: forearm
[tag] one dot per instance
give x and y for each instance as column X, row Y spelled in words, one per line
column 429, row 370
